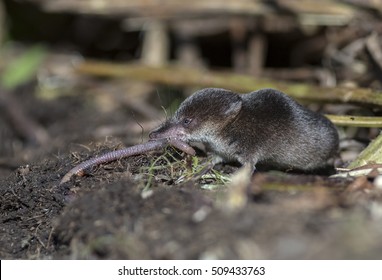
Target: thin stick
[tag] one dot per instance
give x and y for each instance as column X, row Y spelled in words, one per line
column 178, row 76
column 357, row 121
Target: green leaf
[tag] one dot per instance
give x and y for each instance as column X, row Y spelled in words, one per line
column 23, row 69
column 371, row 154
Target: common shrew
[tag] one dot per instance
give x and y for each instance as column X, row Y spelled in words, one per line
column 261, row 128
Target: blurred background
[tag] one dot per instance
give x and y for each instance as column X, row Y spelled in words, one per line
column 321, row 42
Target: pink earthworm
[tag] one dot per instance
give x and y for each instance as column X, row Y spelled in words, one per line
column 79, row 170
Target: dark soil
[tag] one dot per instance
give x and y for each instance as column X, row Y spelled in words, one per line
column 110, row 213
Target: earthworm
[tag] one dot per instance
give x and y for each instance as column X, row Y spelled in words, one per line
column 79, row 170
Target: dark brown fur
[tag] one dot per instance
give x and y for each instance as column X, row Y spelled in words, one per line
column 264, row 127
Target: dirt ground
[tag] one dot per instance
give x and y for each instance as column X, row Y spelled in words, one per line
column 153, row 207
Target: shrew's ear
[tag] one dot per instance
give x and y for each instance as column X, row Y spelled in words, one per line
column 233, row 108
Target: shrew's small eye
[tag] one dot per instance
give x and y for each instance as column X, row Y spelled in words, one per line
column 186, row 121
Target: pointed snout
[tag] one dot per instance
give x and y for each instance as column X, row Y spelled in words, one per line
column 159, row 132
column 153, row 135
column 168, row 130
